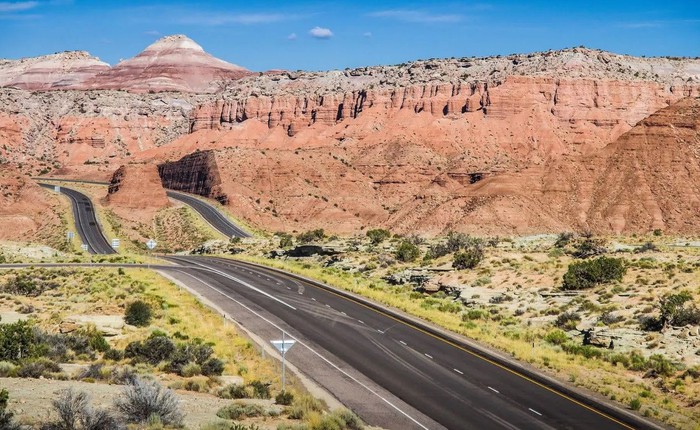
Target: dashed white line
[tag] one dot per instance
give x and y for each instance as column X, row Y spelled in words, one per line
column 288, row 288
column 494, row 390
column 428, row 355
column 458, row 371
column 313, row 299
column 532, row 410
column 344, row 314
column 403, row 343
column 360, row 321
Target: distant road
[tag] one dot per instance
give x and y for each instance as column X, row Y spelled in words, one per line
column 85, row 221
column 210, row 213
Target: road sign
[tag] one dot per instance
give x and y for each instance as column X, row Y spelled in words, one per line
column 151, row 244
column 57, row 188
column 70, row 235
column 283, row 345
column 115, row 243
column 84, row 246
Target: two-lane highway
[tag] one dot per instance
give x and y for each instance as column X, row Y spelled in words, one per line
column 85, row 221
column 444, row 381
column 210, row 214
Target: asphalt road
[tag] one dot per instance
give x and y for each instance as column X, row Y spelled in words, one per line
column 85, row 221
column 456, row 388
column 211, row 214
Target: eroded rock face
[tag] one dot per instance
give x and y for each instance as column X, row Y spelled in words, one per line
column 64, row 70
column 26, row 211
column 196, row 173
column 136, row 187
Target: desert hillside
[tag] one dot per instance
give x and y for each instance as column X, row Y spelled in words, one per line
column 501, row 145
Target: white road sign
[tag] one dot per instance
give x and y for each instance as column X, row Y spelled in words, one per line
column 283, row 345
column 84, row 246
column 151, row 244
column 115, row 243
column 57, row 188
column 70, row 235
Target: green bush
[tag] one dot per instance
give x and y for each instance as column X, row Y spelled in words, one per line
column 38, row 368
column 284, row 398
column 153, row 350
column 191, row 369
column 587, row 274
column 113, row 354
column 407, row 252
column 138, row 313
column 239, row 410
column 567, row 320
column 17, row 341
column 468, row 259
column 378, row 235
column 311, row 236
column 261, row 390
column 213, row 367
column 142, row 401
column 675, row 312
column 7, row 421
column 233, row 391
column 635, row 404
column 556, row 337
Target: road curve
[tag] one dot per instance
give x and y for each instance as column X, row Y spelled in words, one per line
column 211, row 214
column 455, row 387
column 85, row 221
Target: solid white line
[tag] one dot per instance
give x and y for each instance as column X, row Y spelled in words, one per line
column 403, row 343
column 313, row 351
column 535, row 411
column 494, row 390
column 428, row 355
column 225, row 275
column 460, row 372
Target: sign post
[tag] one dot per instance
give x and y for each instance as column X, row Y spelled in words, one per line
column 151, row 244
column 86, row 248
column 69, row 236
column 283, row 346
column 115, row 243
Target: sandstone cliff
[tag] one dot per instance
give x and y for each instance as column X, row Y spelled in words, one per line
column 136, row 187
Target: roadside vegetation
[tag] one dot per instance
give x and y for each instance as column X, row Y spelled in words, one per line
column 618, row 316
column 149, row 344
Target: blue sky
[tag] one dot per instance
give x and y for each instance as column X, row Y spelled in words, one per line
column 319, row 35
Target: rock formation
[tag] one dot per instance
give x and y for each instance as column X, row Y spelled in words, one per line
column 196, row 173
column 26, row 211
column 64, row 70
column 136, row 187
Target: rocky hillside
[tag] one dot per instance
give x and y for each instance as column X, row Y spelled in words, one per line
column 491, row 145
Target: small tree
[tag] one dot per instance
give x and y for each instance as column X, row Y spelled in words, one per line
column 378, row 235
column 675, row 312
column 468, row 259
column 407, row 252
column 589, row 273
column 286, row 240
column 311, row 236
column 138, row 313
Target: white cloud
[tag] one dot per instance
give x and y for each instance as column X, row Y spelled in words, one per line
column 292, row 36
column 321, row 33
column 367, row 34
column 17, row 6
column 152, row 33
column 418, row 16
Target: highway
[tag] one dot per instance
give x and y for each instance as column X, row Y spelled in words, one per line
column 85, row 221
column 211, row 214
column 439, row 378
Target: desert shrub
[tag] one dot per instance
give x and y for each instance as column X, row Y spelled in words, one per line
column 341, row 419
column 74, row 412
column 142, row 400
column 567, row 320
column 154, row 349
column 286, row 240
column 587, row 274
column 474, row 314
column 378, row 235
column 93, row 371
column 608, row 318
column 7, row 369
column 261, row 390
column 635, row 404
column 647, row 247
column 124, row 375
column 588, row 247
column 468, row 259
column 191, row 369
column 556, row 337
column 7, row 421
column 195, row 351
column 228, row 425
column 113, row 354
column 407, row 252
column 311, row 236
column 213, row 367
column 31, row 284
column 138, row 313
column 38, row 368
column 660, row 365
column 563, row 239
column 284, row 398
column 95, row 340
column 650, row 323
column 233, row 391
column 675, row 312
column 17, row 341
column 238, row 410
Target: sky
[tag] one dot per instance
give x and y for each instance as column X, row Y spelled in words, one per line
column 322, row 35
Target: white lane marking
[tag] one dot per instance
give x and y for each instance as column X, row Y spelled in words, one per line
column 233, row 278
column 403, row 343
column 330, row 363
column 360, row 321
column 288, row 288
column 313, row 299
column 494, row 390
column 328, row 306
column 535, row 411
column 344, row 314
column 380, row 331
column 460, row 372
column 428, row 355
